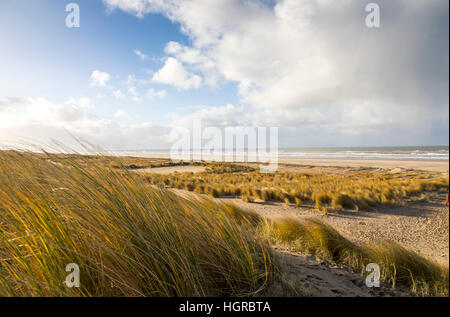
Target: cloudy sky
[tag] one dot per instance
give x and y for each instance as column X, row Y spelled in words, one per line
column 135, row 69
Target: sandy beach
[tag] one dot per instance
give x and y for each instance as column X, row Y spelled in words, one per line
column 422, row 226
column 419, row 226
column 172, row 169
column 425, row 165
column 138, row 187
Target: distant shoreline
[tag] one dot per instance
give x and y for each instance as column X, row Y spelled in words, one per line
column 407, row 153
column 427, row 165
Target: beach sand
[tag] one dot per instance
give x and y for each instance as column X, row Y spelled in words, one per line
column 420, row 226
column 425, row 165
column 172, row 169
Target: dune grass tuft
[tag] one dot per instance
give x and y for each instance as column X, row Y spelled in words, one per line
column 398, row 265
column 128, row 238
column 351, row 191
column 342, row 201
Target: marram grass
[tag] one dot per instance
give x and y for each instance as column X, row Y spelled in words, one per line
column 352, row 191
column 130, row 238
column 398, row 266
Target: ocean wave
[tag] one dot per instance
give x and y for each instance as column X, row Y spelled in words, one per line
column 425, row 153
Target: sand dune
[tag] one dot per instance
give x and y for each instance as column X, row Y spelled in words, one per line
column 419, row 226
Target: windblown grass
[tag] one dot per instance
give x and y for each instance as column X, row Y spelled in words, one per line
column 354, row 191
column 128, row 238
column 398, row 266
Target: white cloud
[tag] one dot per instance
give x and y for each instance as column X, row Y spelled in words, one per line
column 315, row 63
column 41, row 111
column 308, row 64
column 137, row 7
column 156, row 93
column 9, row 103
column 121, row 114
column 184, row 53
column 173, row 73
column 141, row 55
column 228, row 115
column 134, row 95
column 37, row 121
column 99, row 78
column 131, row 80
column 132, row 90
column 85, row 103
column 118, row 94
column 196, row 59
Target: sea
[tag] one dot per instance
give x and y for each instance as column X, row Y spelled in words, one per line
column 370, row 153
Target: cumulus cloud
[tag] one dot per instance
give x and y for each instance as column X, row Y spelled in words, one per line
column 196, row 59
column 311, row 67
column 132, row 90
column 315, row 63
column 38, row 121
column 173, row 73
column 8, row 103
column 118, row 94
column 228, row 115
column 99, row 78
column 152, row 93
column 141, row 55
column 134, row 95
column 41, row 111
column 139, row 7
column 121, row 114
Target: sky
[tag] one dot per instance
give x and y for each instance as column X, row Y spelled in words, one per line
column 136, row 69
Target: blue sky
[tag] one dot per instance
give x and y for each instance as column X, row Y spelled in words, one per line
column 312, row 69
column 44, row 58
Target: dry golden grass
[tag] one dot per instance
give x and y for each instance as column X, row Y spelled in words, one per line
column 354, row 191
column 132, row 239
column 128, row 238
column 398, row 265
